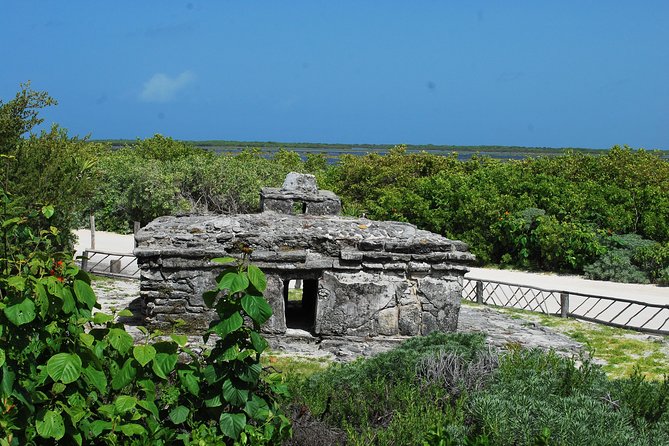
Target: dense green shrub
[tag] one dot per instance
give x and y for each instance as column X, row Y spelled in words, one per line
column 160, row 176
column 383, row 397
column 653, row 258
column 628, row 258
column 482, row 201
column 616, row 265
column 72, row 375
column 525, row 397
column 45, row 169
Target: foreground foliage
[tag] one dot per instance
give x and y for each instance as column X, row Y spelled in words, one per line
column 72, row 375
column 450, row 390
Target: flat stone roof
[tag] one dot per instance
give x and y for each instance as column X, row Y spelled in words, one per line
column 286, row 235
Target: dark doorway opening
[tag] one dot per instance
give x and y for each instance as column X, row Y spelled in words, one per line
column 300, row 298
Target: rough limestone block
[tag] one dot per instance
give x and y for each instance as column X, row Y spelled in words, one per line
column 409, row 316
column 204, row 281
column 349, row 303
column 274, row 295
column 325, row 207
column 300, row 182
column 387, row 323
column 440, row 303
column 280, row 206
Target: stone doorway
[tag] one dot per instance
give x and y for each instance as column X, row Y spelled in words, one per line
column 300, row 297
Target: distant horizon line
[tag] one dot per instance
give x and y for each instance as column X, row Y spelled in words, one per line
column 358, row 144
column 279, row 144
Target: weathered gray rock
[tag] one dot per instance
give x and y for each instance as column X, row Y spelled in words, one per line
column 361, row 277
column 299, row 195
column 300, row 182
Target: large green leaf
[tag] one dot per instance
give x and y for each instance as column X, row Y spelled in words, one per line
column 179, row 414
column 120, row 340
column 250, row 373
column 232, row 424
column 64, row 367
column 68, row 301
column 54, row 287
column 181, row 340
column 125, row 375
column 50, row 425
column 164, row 363
column 125, row 403
column 2, row 357
column 95, row 377
column 257, row 278
column 87, row 339
column 132, row 429
column 189, row 381
column 258, row 342
column 41, row 299
column 227, row 326
column 257, row 408
column 149, row 406
column 76, row 413
column 102, row 318
column 17, row 282
column 234, row 282
column 239, row 283
column 224, row 260
column 21, row 313
column 7, row 381
column 97, row 426
column 214, row 401
column 233, row 395
column 257, row 308
column 84, row 293
column 144, row 354
column 48, row 211
column 226, row 281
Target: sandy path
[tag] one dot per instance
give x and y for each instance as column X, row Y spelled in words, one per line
column 104, row 241
column 633, row 291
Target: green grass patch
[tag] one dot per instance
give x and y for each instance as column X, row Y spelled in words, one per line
column 622, row 351
column 294, row 295
column 295, row 367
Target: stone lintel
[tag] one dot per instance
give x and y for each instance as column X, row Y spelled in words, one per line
column 279, row 256
column 419, row 267
column 348, row 254
column 371, row 245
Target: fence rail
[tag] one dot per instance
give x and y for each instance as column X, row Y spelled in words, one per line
column 607, row 310
column 112, row 264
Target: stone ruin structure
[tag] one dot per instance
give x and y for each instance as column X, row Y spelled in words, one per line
column 360, row 278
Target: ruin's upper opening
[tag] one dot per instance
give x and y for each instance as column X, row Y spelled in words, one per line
column 299, row 195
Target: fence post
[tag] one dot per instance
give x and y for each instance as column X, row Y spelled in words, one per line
column 479, row 292
column 564, row 304
column 115, row 266
column 84, row 261
column 92, row 221
column 135, row 228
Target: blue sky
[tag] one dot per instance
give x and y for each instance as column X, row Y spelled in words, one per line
column 526, row 73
